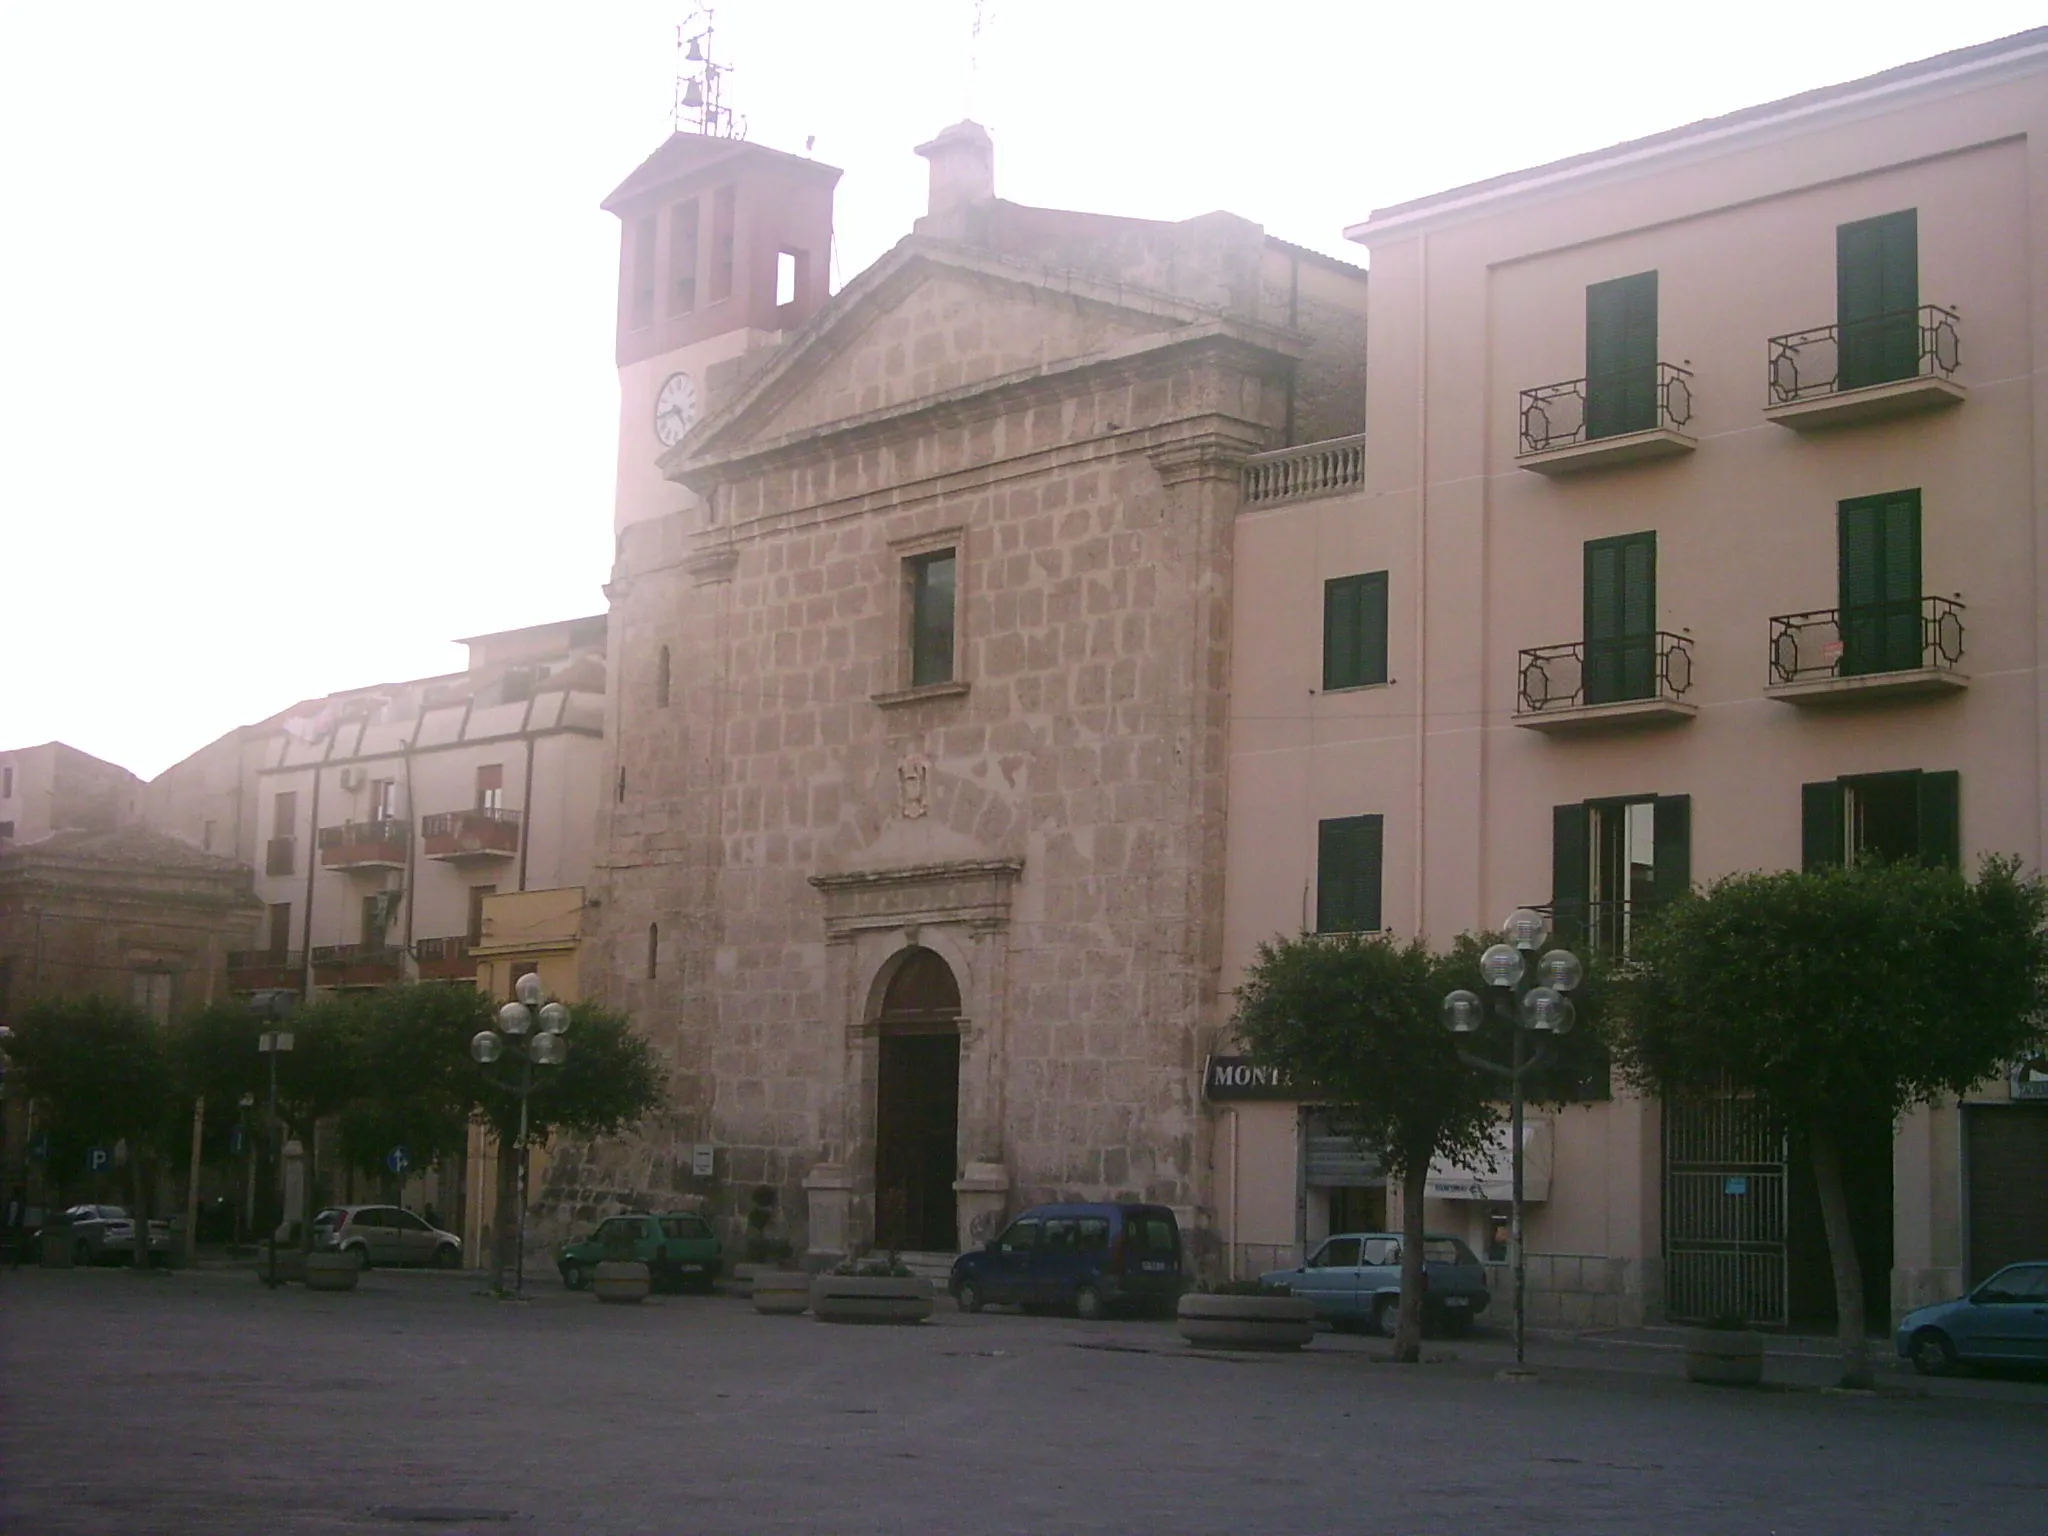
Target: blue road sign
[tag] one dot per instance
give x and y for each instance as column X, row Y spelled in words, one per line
column 398, row 1160
column 98, row 1160
column 235, row 1141
column 39, row 1149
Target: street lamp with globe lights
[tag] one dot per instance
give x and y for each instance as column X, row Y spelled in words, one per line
column 531, row 1033
column 1530, row 1002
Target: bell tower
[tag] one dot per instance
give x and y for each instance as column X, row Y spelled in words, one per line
column 723, row 245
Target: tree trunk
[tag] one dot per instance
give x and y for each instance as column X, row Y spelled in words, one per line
column 1834, row 1215
column 505, row 1245
column 1408, row 1331
column 138, row 1207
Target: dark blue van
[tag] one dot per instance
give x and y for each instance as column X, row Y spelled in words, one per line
column 1091, row 1259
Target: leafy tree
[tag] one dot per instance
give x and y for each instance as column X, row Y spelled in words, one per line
column 320, row 1076
column 417, row 1081
column 610, row 1079
column 100, row 1070
column 1359, row 1017
column 1835, row 995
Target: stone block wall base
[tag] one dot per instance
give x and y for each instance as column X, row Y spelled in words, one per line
column 982, row 1198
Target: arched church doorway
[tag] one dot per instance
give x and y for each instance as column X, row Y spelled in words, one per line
column 917, row 1106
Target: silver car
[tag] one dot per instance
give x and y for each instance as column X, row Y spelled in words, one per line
column 385, row 1234
column 1354, row 1279
column 107, row 1231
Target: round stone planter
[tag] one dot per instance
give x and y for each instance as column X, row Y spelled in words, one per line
column 782, row 1292
column 870, row 1298
column 332, row 1271
column 621, row 1281
column 1724, row 1357
column 739, row 1281
column 1246, row 1322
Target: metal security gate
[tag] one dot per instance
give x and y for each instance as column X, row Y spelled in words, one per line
column 1724, row 1210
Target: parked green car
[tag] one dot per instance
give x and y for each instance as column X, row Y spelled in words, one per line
column 679, row 1249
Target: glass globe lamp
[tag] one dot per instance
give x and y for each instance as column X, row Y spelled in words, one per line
column 1463, row 1012
column 1501, row 965
column 1525, row 929
column 554, row 1018
column 485, row 1046
column 1560, row 968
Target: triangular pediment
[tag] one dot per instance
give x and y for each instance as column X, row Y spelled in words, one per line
column 925, row 323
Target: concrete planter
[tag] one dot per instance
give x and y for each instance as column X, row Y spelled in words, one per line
column 871, row 1298
column 332, row 1271
column 782, row 1292
column 621, row 1282
column 1724, row 1357
column 1247, row 1322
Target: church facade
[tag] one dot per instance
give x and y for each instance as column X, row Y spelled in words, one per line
column 912, row 853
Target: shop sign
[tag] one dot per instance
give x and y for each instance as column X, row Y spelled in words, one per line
column 2030, row 1079
column 1239, row 1077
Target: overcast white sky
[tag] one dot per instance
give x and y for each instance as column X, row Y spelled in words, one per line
column 306, row 310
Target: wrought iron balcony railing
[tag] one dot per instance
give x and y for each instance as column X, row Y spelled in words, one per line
column 1906, row 344
column 365, row 844
column 1314, row 469
column 444, row 959
column 1908, row 635
column 1605, row 927
column 478, row 833
column 266, row 962
column 1606, row 405
column 1653, row 666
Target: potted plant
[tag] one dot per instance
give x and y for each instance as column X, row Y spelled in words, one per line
column 620, row 1278
column 1725, row 1352
column 758, row 1250
column 1243, row 1314
column 871, row 1290
column 781, row 1292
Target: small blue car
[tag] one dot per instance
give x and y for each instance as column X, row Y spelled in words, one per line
column 1354, row 1279
column 1087, row 1258
column 2004, row 1321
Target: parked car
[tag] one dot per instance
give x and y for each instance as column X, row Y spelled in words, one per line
column 2003, row 1321
column 678, row 1247
column 100, row 1232
column 385, row 1234
column 1092, row 1259
column 1354, row 1278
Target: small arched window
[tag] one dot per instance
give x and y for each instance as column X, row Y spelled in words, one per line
column 653, row 948
column 661, row 679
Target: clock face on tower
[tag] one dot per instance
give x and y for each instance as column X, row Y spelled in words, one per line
column 675, row 408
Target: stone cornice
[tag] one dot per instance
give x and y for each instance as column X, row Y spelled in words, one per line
column 921, row 874
column 1215, row 451
column 971, row 891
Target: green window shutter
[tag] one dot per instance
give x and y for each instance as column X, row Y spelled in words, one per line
column 1820, row 808
column 1340, row 633
column 1877, row 299
column 1571, row 869
column 1348, row 853
column 1879, row 583
column 1621, row 355
column 1672, row 875
column 1941, row 820
column 1355, row 631
column 1621, row 618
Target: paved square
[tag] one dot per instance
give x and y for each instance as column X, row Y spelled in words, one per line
column 202, row 1403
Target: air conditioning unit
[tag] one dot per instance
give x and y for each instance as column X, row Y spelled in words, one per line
column 351, row 779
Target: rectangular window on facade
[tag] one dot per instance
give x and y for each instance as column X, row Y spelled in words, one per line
column 682, row 258
column 477, row 893
column 1879, row 592
column 1621, row 355
column 724, row 233
column 6, row 781
column 1621, row 618
column 206, row 835
column 373, row 914
column 284, row 814
column 1355, row 631
column 640, row 312
column 151, row 991
column 383, row 799
column 932, row 595
column 1905, row 815
column 1612, row 860
column 280, row 927
column 490, row 787
column 6, row 831
column 1348, row 852
column 280, row 853
column 1877, row 300
column 785, row 278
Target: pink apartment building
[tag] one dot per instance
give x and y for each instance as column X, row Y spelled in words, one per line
column 1697, row 526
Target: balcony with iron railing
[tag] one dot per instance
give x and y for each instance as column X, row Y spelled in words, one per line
column 1327, row 468
column 358, row 965
column 365, row 845
column 263, row 970
column 471, row 836
column 446, row 959
column 1898, row 364
column 1597, row 685
column 1625, row 417
column 1878, row 650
